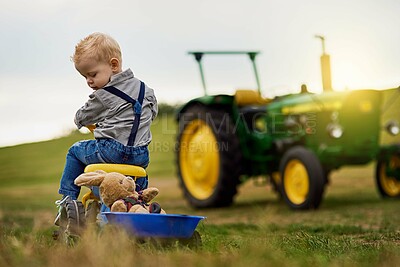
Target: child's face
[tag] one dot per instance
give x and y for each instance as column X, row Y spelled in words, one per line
column 97, row 74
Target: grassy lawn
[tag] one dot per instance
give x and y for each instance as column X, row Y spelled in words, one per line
column 353, row 226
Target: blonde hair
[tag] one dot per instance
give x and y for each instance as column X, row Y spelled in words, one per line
column 98, row 46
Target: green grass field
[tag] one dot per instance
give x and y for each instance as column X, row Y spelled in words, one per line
column 353, row 226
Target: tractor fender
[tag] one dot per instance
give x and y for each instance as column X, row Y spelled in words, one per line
column 225, row 101
column 389, row 150
column 281, row 145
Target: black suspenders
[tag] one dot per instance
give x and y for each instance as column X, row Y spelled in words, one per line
column 136, row 106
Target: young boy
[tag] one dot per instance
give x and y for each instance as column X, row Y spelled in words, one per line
column 120, row 110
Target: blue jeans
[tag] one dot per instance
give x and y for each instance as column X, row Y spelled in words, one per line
column 88, row 152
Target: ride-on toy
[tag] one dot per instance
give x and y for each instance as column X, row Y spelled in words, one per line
column 76, row 215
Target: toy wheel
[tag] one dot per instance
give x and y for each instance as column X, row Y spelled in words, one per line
column 388, row 187
column 92, row 210
column 303, row 179
column 208, row 157
column 193, row 242
column 72, row 221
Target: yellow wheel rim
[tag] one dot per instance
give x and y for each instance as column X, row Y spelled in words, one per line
column 390, row 184
column 199, row 159
column 296, row 182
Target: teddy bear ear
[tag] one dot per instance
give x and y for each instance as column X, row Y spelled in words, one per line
column 90, row 178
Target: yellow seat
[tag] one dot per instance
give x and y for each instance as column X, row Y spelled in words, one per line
column 245, row 97
column 129, row 170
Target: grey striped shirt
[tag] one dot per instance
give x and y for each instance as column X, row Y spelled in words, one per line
column 114, row 116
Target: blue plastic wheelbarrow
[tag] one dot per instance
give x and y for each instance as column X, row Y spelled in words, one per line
column 155, row 225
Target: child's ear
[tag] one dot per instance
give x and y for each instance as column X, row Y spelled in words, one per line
column 115, row 65
column 90, row 178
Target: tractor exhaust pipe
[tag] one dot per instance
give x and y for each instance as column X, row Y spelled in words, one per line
column 325, row 67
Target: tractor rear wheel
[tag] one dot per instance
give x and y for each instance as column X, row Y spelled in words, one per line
column 388, row 187
column 303, row 179
column 208, row 157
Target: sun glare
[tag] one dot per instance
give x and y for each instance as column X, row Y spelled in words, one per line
column 347, row 76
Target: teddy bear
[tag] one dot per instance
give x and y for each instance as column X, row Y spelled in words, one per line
column 118, row 192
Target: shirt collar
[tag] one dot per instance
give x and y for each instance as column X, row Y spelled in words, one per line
column 120, row 77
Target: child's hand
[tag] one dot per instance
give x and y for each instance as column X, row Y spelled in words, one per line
column 91, row 127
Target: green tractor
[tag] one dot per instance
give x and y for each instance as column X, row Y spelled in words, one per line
column 295, row 141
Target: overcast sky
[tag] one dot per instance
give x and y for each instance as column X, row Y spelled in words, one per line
column 40, row 90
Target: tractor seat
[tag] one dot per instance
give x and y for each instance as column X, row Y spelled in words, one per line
column 125, row 169
column 245, row 97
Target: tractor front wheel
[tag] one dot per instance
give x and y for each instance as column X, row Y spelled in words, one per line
column 303, row 179
column 388, row 187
